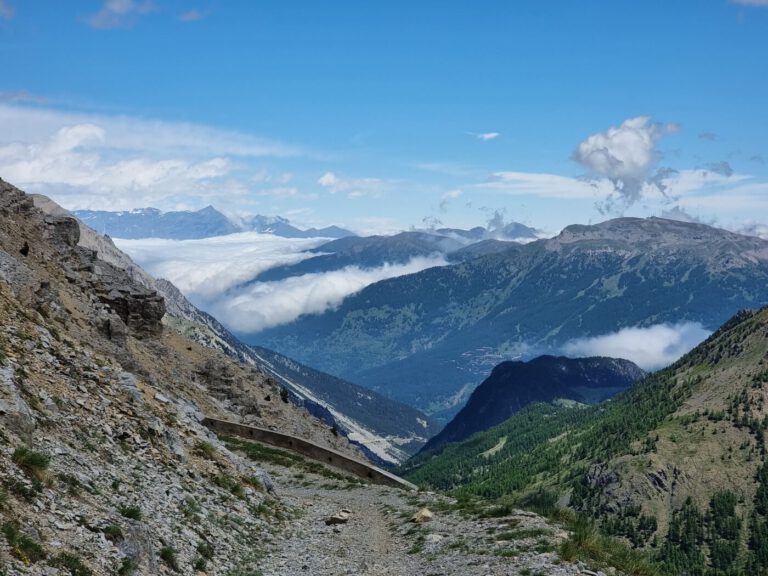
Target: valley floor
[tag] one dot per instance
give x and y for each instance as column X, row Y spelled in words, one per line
column 380, row 539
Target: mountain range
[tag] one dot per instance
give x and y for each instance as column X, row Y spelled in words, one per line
column 514, row 385
column 429, row 338
column 388, row 431
column 187, row 225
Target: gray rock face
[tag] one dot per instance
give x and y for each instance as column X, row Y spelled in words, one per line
column 140, row 310
column 62, row 231
column 15, row 413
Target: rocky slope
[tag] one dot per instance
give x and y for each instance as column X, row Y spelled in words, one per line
column 104, row 465
column 387, row 430
column 429, row 338
column 513, row 385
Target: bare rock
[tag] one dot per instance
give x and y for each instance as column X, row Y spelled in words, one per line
column 15, row 413
column 341, row 517
column 423, row 515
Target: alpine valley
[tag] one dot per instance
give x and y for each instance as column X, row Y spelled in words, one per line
column 428, row 339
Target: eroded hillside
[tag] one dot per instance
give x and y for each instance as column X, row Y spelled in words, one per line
column 104, row 463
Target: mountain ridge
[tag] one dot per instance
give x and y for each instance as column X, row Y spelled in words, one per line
column 189, row 224
column 512, row 385
column 447, row 327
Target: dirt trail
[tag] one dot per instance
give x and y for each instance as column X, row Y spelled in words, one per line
column 380, row 540
column 365, row 545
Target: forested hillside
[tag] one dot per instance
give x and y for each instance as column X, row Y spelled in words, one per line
column 676, row 465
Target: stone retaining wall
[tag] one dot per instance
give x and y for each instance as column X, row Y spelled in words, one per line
column 310, row 450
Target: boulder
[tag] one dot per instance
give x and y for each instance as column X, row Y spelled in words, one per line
column 423, row 515
column 341, row 517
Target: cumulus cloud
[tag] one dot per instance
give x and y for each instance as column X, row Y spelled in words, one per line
column 267, row 304
column 119, row 13
column 625, row 155
column 650, row 348
column 352, row 187
column 6, row 10
column 216, row 274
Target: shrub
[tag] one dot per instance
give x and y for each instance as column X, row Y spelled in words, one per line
column 132, row 511
column 205, row 549
column 205, row 449
column 126, row 567
column 72, row 563
column 113, row 532
column 22, row 546
column 33, row 463
column 587, row 544
column 71, row 483
column 168, row 555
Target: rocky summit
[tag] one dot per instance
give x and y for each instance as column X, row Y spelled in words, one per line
column 107, row 468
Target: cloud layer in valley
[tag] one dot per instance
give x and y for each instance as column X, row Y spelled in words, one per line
column 651, row 348
column 266, row 304
column 216, row 274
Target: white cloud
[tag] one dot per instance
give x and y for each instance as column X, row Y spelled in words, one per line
column 650, row 348
column 545, row 185
column 6, row 10
column 205, row 269
column 485, row 136
column 268, row 304
column 692, row 182
column 446, row 198
column 136, row 134
column 625, row 155
column 215, row 273
column 352, row 187
column 118, row 162
column 759, row 229
column 678, row 213
column 118, row 13
column 74, row 157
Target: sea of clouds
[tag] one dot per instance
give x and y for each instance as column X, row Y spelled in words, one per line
column 217, row 275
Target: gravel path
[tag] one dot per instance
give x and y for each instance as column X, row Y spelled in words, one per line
column 380, row 539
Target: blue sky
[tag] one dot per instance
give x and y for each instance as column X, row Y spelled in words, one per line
column 386, row 115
